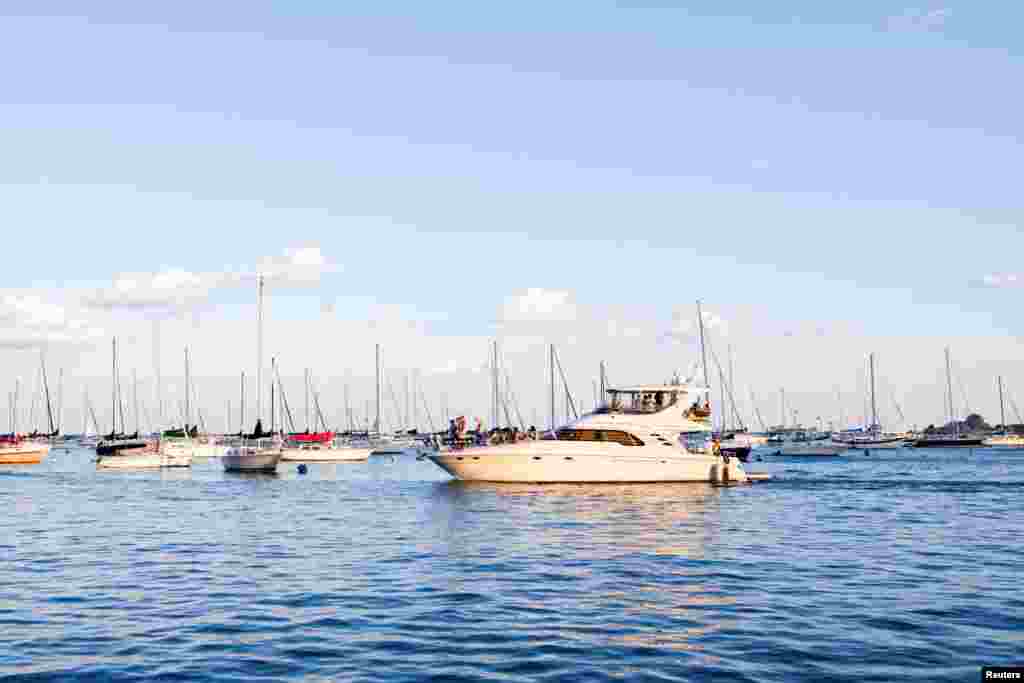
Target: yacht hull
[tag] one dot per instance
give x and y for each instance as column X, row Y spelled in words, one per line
column 492, row 464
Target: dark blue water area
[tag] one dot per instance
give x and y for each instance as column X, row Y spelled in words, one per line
column 904, row 565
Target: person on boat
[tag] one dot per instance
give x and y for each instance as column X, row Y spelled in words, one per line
column 531, row 433
column 453, row 432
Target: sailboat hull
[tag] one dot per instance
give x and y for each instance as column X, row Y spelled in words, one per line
column 325, row 454
column 251, row 459
column 24, row 454
column 176, row 452
column 143, row 457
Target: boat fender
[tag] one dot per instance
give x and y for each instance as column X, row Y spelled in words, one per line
column 303, row 469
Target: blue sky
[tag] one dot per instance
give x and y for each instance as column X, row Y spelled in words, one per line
column 831, row 180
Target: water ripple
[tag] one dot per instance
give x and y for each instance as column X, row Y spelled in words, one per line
column 894, row 566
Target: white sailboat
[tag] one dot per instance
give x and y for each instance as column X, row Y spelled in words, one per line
column 118, row 450
column 15, row 449
column 1004, row 440
column 809, row 444
column 176, row 445
column 873, row 438
column 257, row 452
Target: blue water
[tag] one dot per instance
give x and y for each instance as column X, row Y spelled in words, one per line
column 898, row 566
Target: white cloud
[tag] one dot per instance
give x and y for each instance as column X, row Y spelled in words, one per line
column 1002, row 280
column 539, row 304
column 30, row 320
column 684, row 326
column 180, row 289
column 298, row 266
column 919, row 20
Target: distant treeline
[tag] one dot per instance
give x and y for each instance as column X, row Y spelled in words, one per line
column 973, row 424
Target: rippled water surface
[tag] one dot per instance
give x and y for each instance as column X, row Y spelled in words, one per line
column 898, row 566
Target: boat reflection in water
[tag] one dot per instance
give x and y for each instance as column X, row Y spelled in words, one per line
column 639, row 551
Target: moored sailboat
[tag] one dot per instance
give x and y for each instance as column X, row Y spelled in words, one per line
column 1004, row 440
column 944, row 440
column 872, row 438
column 119, row 450
column 259, row 451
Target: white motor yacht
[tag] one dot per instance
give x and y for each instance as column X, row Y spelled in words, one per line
column 658, row 433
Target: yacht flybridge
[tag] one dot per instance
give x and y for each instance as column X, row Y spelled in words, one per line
column 657, row 433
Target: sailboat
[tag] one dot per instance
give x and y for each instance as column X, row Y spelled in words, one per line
column 943, row 440
column 872, row 438
column 176, row 445
column 120, row 450
column 259, row 451
column 16, row 449
column 1005, row 439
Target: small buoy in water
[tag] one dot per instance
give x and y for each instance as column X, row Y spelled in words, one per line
column 303, row 469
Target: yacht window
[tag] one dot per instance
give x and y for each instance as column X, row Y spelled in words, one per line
column 697, row 442
column 599, row 435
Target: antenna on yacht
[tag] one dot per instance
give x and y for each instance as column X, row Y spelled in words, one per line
column 703, row 352
column 551, row 361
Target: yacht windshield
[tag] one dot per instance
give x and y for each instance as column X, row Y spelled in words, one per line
column 640, row 402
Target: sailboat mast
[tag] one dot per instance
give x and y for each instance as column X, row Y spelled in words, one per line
column 159, row 377
column 46, row 389
column 376, row 422
column 949, row 390
column 259, row 354
column 113, row 388
column 494, row 384
column 188, row 405
column 306, row 375
column 874, row 406
column 1002, row 411
column 273, row 373
column 135, row 399
column 60, row 401
column 735, row 415
column 241, row 420
column 703, row 351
